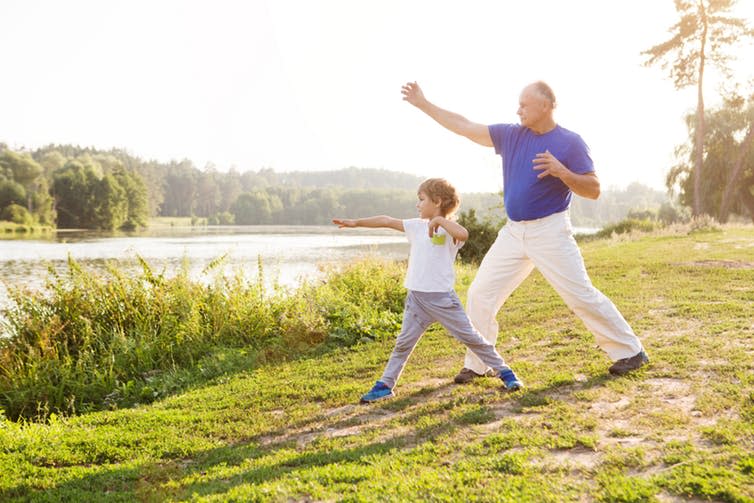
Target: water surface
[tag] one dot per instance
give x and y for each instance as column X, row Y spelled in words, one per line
column 288, row 254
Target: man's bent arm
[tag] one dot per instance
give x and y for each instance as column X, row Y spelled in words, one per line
column 478, row 133
column 586, row 185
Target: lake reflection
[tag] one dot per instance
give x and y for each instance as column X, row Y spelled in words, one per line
column 288, row 253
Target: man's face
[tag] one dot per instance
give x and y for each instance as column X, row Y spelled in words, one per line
column 532, row 107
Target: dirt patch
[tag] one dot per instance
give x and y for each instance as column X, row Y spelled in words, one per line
column 504, row 412
column 631, row 441
column 339, row 411
column 671, row 498
column 674, row 393
column 726, row 264
column 604, row 408
column 577, row 458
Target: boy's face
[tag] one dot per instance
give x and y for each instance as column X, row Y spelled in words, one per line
column 427, row 208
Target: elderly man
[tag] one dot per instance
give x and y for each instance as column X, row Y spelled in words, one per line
column 543, row 164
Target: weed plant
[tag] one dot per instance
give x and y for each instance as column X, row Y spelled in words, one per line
column 91, row 341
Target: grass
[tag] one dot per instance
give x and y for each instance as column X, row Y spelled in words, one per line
column 95, row 341
column 288, row 428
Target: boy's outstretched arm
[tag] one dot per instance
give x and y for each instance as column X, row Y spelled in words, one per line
column 456, row 230
column 376, row 221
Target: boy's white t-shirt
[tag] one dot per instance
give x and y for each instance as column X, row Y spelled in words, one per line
column 430, row 264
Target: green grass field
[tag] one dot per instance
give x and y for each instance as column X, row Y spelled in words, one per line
column 681, row 429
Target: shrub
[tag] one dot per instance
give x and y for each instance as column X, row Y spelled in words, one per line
column 671, row 214
column 703, row 223
column 91, row 337
column 481, row 236
column 17, row 214
column 626, row 226
column 363, row 302
column 223, row 218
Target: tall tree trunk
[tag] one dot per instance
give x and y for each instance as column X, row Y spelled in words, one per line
column 697, row 206
column 744, row 192
column 735, row 173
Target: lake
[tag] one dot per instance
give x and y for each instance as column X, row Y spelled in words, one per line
column 288, row 253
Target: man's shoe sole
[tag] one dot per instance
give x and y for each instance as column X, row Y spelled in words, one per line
column 623, row 371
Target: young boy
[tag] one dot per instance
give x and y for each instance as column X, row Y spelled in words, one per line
column 430, row 280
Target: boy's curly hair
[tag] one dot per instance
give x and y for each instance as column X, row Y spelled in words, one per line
column 439, row 189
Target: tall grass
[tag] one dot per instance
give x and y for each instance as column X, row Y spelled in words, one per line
column 90, row 341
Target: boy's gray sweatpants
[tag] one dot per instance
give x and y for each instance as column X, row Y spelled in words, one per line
column 421, row 310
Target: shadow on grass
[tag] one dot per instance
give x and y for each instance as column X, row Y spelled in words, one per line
column 217, row 471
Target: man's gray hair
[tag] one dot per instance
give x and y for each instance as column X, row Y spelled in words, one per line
column 545, row 91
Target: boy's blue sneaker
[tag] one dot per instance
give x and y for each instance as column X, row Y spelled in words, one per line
column 379, row 391
column 510, row 380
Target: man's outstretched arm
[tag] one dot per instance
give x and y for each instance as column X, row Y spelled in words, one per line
column 478, row 133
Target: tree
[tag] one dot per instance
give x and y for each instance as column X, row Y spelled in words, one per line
column 136, row 196
column 179, row 189
column 703, row 33
column 207, row 193
column 43, row 203
column 728, row 163
column 252, row 208
column 25, row 171
column 741, row 174
column 110, row 209
column 11, row 192
column 70, row 187
column 230, row 188
column 152, row 174
column 51, row 160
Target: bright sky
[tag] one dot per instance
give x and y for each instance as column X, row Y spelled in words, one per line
column 313, row 85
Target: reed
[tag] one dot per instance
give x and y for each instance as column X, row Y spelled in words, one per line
column 92, row 340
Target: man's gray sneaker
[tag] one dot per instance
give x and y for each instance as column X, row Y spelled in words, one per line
column 465, row 376
column 626, row 365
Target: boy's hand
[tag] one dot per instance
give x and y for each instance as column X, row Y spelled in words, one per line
column 434, row 225
column 344, row 222
column 454, row 229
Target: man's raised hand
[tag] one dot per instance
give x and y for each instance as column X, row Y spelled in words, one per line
column 412, row 93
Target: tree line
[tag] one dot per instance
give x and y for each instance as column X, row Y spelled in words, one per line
column 72, row 187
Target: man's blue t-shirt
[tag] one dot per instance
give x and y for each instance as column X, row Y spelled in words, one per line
column 525, row 196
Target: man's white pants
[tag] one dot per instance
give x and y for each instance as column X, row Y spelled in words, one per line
column 548, row 245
